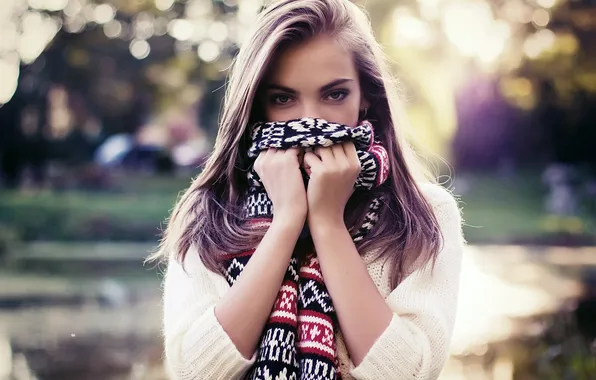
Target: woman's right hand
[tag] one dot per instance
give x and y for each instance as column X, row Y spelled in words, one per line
column 279, row 171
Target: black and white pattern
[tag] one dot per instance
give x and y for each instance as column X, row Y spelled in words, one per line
column 298, row 340
column 311, row 133
column 370, row 219
column 307, row 133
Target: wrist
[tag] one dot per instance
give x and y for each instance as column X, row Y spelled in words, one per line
column 286, row 221
column 325, row 222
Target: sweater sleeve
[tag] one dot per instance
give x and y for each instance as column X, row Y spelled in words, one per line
column 415, row 345
column 196, row 345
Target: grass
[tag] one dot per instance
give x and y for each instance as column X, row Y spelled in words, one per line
column 133, row 213
column 504, row 211
column 149, row 198
column 100, row 251
column 495, row 211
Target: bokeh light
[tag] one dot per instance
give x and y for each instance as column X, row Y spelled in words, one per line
column 208, row 51
column 9, row 77
column 140, row 49
column 539, row 42
column 546, row 3
column 181, row 29
column 113, row 29
column 218, row 31
column 164, row 5
column 410, row 30
column 541, row 17
column 104, row 13
column 467, row 25
column 49, row 5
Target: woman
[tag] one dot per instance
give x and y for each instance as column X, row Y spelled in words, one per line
column 311, row 246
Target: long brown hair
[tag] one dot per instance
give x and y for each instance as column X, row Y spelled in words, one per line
column 209, row 217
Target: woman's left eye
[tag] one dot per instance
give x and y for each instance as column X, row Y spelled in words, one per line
column 337, row 95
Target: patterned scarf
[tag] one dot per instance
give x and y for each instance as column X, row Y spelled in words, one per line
column 298, row 341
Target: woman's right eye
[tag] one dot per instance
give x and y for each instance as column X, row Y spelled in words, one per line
column 280, row 99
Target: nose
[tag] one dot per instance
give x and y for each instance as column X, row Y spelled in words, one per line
column 312, row 109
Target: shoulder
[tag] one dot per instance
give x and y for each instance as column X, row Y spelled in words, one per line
column 445, row 206
column 437, row 195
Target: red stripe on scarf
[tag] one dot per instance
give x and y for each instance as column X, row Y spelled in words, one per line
column 312, row 270
column 383, row 159
column 285, row 309
column 316, row 334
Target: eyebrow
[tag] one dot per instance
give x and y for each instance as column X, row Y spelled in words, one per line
column 326, row 87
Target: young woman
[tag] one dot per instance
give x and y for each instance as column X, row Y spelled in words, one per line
column 311, row 246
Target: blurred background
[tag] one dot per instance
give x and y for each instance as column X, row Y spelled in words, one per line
column 108, row 107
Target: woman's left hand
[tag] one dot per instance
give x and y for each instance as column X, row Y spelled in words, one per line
column 333, row 172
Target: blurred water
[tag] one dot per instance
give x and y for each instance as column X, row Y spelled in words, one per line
column 111, row 331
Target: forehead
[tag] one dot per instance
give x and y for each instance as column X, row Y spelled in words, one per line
column 316, row 62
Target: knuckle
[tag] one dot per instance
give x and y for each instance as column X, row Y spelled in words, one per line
column 289, row 159
column 261, row 164
column 344, row 168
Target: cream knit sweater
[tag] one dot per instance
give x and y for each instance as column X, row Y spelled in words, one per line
column 414, row 346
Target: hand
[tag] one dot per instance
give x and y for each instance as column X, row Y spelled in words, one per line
column 333, row 172
column 279, row 171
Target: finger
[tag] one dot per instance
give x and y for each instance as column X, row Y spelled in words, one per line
column 292, row 151
column 293, row 154
column 306, row 167
column 311, row 150
column 339, row 154
column 256, row 165
column 312, row 161
column 261, row 155
column 351, row 152
column 326, row 154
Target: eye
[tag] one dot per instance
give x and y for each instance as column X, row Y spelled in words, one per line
column 280, row 99
column 337, row 95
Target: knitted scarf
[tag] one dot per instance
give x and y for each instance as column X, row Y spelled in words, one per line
column 298, row 340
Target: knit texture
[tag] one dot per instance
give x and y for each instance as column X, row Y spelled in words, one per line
column 414, row 346
column 298, row 340
column 313, row 133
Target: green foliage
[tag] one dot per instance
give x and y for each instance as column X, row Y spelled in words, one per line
column 495, row 211
column 135, row 212
column 9, row 239
column 502, row 211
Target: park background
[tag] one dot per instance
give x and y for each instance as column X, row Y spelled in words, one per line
column 109, row 107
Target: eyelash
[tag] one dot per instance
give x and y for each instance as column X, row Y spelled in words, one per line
column 274, row 99
column 343, row 94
